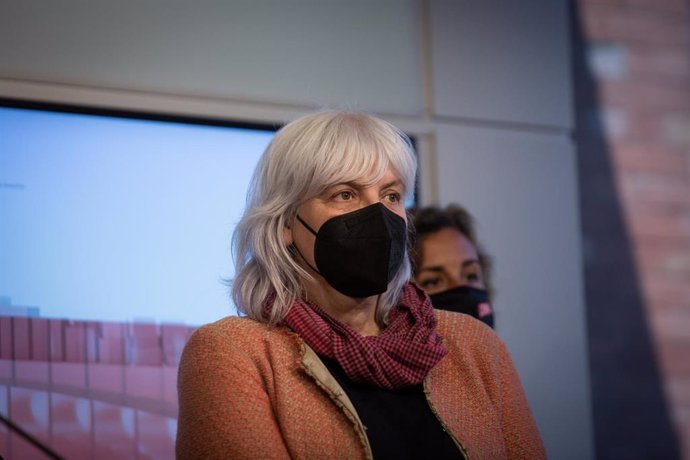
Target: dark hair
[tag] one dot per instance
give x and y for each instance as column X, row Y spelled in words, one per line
column 432, row 219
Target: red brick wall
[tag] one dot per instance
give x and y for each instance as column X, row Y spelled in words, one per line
column 639, row 54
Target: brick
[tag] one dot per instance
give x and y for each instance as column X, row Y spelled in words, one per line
column 674, row 358
column 663, row 255
column 676, row 129
column 679, row 7
column 645, row 96
column 673, row 325
column 683, row 430
column 588, row 3
column 679, row 391
column 645, row 126
column 640, row 57
column 631, row 25
column 676, row 228
column 644, row 206
column 649, row 158
column 659, row 297
column 664, row 306
column 665, row 219
column 668, row 6
column 665, row 278
column 662, row 259
column 658, row 62
column 669, row 281
column 654, row 189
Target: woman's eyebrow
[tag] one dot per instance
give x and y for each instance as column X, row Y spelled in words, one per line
column 394, row 183
column 352, row 183
column 435, row 268
column 359, row 185
column 469, row 262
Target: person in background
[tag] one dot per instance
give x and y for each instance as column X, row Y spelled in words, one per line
column 337, row 354
column 449, row 263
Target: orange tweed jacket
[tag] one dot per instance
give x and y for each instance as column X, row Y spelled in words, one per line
column 250, row 391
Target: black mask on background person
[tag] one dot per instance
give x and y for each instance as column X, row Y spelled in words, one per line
column 465, row 299
column 358, row 253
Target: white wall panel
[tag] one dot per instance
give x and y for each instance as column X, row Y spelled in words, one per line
column 502, row 60
column 521, row 187
column 303, row 52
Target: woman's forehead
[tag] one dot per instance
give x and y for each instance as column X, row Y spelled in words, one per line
column 447, row 245
column 386, row 176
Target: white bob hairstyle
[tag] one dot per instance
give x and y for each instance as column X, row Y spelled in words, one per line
column 306, row 157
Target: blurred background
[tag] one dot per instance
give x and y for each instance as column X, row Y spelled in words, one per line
column 562, row 126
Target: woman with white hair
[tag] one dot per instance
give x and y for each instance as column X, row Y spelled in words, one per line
column 338, row 355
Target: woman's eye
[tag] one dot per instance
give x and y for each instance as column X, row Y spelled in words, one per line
column 393, row 197
column 475, row 278
column 344, row 195
column 430, row 283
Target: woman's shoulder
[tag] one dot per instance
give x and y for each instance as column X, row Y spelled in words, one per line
column 454, row 323
column 238, row 334
column 234, row 325
column 464, row 334
column 230, row 326
column 473, row 347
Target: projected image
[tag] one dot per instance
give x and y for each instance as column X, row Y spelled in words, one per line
column 116, row 219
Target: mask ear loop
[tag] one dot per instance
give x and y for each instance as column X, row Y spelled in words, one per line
column 300, row 252
column 305, row 224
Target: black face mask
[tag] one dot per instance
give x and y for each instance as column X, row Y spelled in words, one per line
column 465, row 299
column 358, row 253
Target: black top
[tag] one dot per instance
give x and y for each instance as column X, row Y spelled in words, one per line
column 399, row 423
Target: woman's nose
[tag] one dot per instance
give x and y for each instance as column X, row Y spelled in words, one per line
column 369, row 198
column 456, row 281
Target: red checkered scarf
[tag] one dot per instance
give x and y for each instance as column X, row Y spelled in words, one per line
column 402, row 355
